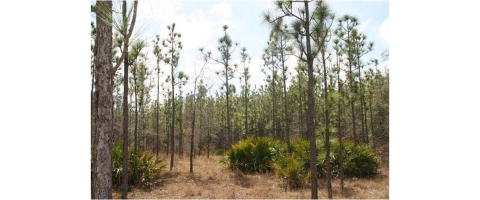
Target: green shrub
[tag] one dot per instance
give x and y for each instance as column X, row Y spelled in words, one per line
column 292, row 170
column 359, row 161
column 254, row 154
column 266, row 154
column 142, row 166
column 301, row 148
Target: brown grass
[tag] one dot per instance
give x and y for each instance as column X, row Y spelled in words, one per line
column 212, row 180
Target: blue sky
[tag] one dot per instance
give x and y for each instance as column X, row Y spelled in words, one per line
column 200, row 23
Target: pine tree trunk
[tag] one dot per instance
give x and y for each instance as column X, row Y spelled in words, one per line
column 229, row 132
column 274, row 112
column 371, row 124
column 180, row 123
column 311, row 109
column 285, row 120
column 157, row 108
column 193, row 128
column 125, row 115
column 327, row 131
column 172, row 141
column 103, row 145
column 350, row 78
column 363, row 133
column 340, row 131
column 135, row 131
column 208, row 141
column 246, row 108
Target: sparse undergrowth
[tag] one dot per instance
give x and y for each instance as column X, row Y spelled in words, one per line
column 213, row 180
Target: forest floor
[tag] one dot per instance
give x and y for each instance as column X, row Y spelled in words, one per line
column 212, row 180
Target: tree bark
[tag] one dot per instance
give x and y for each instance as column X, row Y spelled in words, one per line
column 287, row 124
column 327, row 131
column 208, row 138
column 311, row 108
column 193, row 127
column 102, row 172
column 157, row 107
column 125, row 112
column 363, row 133
column 172, row 141
column 340, row 127
column 350, row 78
column 136, row 108
column 229, row 132
column 180, row 123
column 371, row 123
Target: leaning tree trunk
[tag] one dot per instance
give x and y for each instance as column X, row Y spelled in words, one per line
column 103, row 145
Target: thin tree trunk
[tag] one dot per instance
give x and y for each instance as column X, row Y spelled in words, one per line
column 366, row 123
column 180, row 123
column 246, row 107
column 287, row 124
column 193, row 127
column 274, row 112
column 350, row 78
column 172, row 141
column 93, row 103
column 361, row 103
column 208, row 138
column 125, row 115
column 301, row 107
column 371, row 124
column 167, row 128
column 229, row 132
column 158, row 105
column 136, row 109
column 327, row 130
column 340, row 128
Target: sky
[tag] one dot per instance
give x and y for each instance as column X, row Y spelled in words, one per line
column 200, row 23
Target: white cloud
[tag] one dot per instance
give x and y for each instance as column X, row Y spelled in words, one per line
column 257, row 76
column 384, row 33
column 222, row 10
column 363, row 26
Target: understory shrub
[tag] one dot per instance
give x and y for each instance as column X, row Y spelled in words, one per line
column 294, row 168
column 358, row 161
column 265, row 154
column 142, row 166
column 254, row 154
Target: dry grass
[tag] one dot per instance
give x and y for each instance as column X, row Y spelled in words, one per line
column 212, row 180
